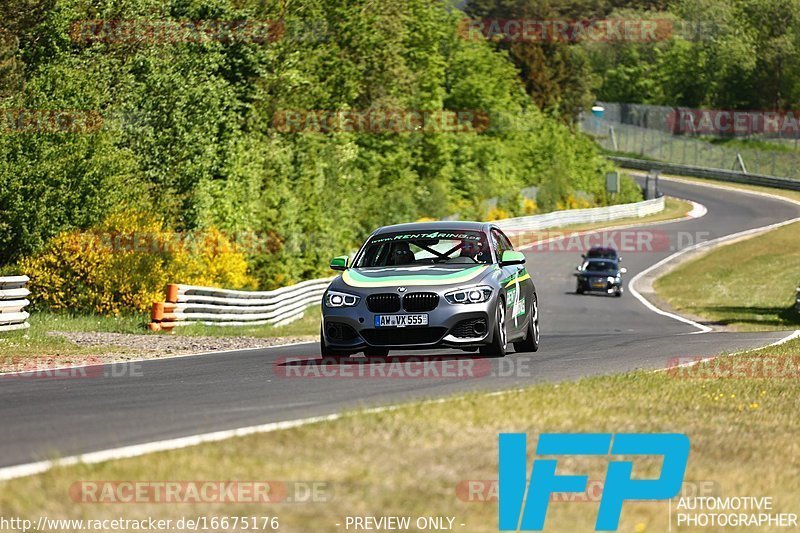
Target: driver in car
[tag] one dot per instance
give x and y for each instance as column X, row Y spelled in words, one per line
column 474, row 250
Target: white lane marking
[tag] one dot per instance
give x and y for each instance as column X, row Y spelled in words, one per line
column 711, row 244
column 707, row 244
column 141, row 360
column 698, row 210
column 136, row 450
column 793, row 336
column 784, row 340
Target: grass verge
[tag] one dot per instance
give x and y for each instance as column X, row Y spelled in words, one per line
column 754, row 144
column 40, row 341
column 417, row 460
column 37, row 340
column 749, row 285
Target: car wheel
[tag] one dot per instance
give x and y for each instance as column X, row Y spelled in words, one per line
column 500, row 337
column 579, row 289
column 531, row 341
column 618, row 292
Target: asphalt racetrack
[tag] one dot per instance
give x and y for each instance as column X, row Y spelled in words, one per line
column 581, row 336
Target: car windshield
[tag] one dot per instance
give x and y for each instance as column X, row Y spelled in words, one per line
column 455, row 247
column 599, row 266
column 602, row 253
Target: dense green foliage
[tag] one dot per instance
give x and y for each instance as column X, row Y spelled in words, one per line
column 188, row 127
column 723, row 54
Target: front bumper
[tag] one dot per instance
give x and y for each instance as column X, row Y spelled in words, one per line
column 599, row 285
column 449, row 325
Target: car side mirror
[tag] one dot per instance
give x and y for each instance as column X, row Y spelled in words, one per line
column 340, row 263
column 511, row 257
column 623, row 270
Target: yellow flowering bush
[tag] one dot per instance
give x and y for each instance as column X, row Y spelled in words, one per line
column 125, row 264
column 497, row 213
column 529, row 206
column 572, row 202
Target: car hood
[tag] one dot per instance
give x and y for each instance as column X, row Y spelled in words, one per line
column 413, row 275
column 599, row 273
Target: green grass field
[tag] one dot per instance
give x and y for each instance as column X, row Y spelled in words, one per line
column 419, row 459
column 749, row 284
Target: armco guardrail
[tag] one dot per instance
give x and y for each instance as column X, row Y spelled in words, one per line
column 797, row 301
column 712, row 173
column 188, row 304
column 517, row 226
column 13, row 302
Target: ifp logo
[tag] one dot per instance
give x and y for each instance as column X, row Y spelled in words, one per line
column 619, row 485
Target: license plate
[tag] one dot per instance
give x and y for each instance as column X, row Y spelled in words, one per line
column 598, row 284
column 400, row 321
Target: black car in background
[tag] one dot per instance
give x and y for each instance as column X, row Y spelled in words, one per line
column 599, row 275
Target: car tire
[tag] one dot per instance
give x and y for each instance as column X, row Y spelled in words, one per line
column 499, row 343
column 531, row 341
column 618, row 293
column 578, row 289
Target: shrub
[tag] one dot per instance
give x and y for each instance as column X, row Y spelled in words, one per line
column 529, row 206
column 497, row 213
column 125, row 263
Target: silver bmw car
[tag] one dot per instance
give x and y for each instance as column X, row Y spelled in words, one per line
column 430, row 285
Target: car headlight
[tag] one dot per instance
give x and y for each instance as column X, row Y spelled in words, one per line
column 340, row 299
column 611, row 279
column 473, row 295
